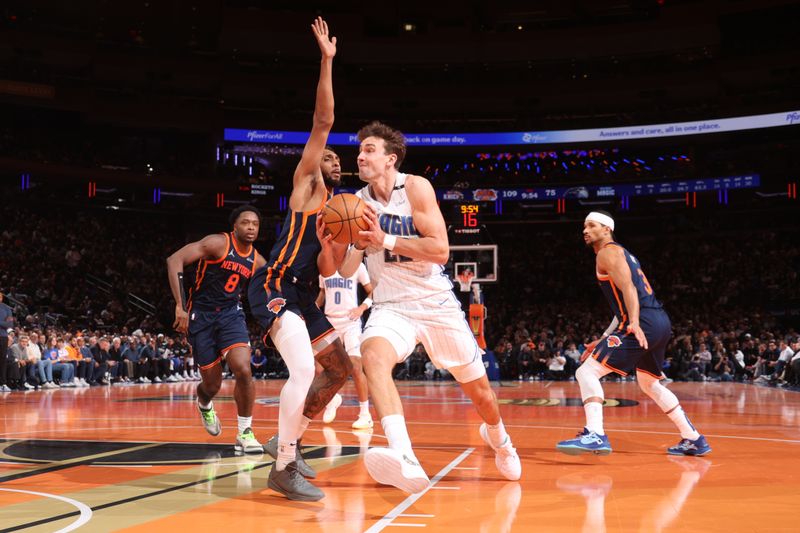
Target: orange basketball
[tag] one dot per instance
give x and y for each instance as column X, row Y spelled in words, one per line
column 342, row 217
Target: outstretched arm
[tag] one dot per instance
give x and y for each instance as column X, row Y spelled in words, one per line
column 323, row 110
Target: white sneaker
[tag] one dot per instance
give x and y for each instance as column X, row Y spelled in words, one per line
column 156, row 379
column 28, row 386
column 392, row 467
column 363, row 422
column 83, row 382
column 330, row 409
column 506, row 458
column 172, row 379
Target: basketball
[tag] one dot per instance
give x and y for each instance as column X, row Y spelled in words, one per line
column 343, row 217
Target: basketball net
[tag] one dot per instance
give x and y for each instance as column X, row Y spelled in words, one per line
column 465, row 280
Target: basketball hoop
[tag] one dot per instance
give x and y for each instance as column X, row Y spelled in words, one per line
column 465, row 279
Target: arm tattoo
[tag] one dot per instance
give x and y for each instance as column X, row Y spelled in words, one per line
column 336, row 367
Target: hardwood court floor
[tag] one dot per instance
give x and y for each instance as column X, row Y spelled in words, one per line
column 135, row 458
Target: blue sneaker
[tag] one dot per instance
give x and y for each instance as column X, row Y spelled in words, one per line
column 585, row 442
column 697, row 447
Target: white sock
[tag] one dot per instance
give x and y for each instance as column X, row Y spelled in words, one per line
column 594, row 417
column 244, row 422
column 207, row 406
column 588, row 376
column 286, row 454
column 678, row 416
column 363, row 408
column 396, row 433
column 304, row 422
column 497, row 434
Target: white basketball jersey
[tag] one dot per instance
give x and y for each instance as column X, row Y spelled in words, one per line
column 341, row 294
column 396, row 278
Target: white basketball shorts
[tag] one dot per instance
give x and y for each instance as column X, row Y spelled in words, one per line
column 439, row 324
column 350, row 333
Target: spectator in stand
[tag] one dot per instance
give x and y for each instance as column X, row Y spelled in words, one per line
column 23, row 372
column 140, row 366
column 100, row 358
column 43, row 367
column 117, row 366
column 704, row 356
column 525, row 360
column 6, row 322
column 573, row 358
column 64, row 371
column 723, row 371
column 555, row 366
column 258, row 364
column 83, row 367
column 794, row 364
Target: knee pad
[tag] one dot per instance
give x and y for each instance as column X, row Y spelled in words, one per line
column 588, row 377
column 652, row 386
column 292, row 341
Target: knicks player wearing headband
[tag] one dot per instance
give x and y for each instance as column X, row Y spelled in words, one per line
column 634, row 342
column 413, row 301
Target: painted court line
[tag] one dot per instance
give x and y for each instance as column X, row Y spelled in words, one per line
column 85, row 510
column 408, row 502
column 408, row 515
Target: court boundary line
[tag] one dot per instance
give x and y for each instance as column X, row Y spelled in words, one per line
column 84, row 510
column 138, row 497
column 387, row 519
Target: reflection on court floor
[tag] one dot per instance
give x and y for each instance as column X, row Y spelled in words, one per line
column 137, row 459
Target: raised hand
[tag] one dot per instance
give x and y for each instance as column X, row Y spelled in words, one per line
column 327, row 44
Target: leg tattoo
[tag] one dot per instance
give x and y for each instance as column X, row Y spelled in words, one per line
column 336, row 367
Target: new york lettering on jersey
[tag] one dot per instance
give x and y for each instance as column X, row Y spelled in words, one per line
column 218, row 283
column 644, row 291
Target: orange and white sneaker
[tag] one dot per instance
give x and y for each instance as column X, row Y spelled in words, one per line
column 364, row 421
column 330, row 410
column 506, row 458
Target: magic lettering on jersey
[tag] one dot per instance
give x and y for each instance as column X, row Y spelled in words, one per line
column 397, row 225
column 338, row 283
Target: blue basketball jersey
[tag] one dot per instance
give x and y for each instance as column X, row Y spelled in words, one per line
column 644, row 291
column 296, row 250
column 218, row 283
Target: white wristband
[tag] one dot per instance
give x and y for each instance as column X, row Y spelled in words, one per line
column 389, row 241
column 367, row 302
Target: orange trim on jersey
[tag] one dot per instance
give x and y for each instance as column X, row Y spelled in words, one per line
column 214, row 363
column 603, row 362
column 243, row 254
column 224, row 255
column 619, row 303
column 296, row 245
column 320, row 337
column 232, row 346
column 649, row 373
column 271, row 269
column 255, row 260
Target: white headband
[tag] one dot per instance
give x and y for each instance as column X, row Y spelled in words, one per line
column 601, row 219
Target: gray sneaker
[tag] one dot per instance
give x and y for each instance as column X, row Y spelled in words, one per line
column 210, row 420
column 293, row 485
column 272, row 448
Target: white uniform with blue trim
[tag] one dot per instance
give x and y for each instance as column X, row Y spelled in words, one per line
column 414, row 300
column 341, row 295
